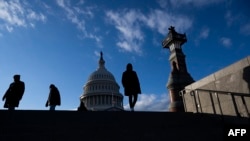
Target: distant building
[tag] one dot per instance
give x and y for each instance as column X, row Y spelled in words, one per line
column 101, row 91
column 179, row 76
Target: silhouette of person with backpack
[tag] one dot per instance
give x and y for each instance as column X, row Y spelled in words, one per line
column 14, row 93
column 54, row 98
column 131, row 85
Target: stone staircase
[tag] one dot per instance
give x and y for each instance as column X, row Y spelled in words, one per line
column 32, row 125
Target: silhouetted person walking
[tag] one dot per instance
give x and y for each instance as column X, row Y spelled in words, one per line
column 14, row 93
column 131, row 85
column 54, row 98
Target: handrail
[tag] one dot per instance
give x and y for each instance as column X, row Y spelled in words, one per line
column 197, row 102
column 223, row 92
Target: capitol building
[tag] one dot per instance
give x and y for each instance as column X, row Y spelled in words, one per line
column 101, row 91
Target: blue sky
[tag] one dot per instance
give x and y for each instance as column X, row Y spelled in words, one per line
column 59, row 41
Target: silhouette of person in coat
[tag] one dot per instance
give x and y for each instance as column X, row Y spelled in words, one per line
column 54, row 98
column 131, row 85
column 14, row 93
column 82, row 107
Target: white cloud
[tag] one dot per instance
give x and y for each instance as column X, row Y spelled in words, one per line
column 204, row 33
column 97, row 53
column 87, row 11
column 16, row 13
column 97, row 38
column 231, row 18
column 245, row 29
column 71, row 14
column 128, row 24
column 32, row 15
column 11, row 11
column 151, row 102
column 81, row 2
column 77, row 16
column 195, row 3
column 9, row 28
column 163, row 3
column 162, row 20
column 226, row 41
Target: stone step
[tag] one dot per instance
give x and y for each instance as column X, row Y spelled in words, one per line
column 73, row 126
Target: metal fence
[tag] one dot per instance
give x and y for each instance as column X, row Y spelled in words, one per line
column 216, row 102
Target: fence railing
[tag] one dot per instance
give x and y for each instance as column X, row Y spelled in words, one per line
column 214, row 98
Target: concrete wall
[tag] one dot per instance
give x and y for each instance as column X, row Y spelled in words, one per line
column 225, row 92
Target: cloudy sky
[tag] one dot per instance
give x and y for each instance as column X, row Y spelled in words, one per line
column 59, row 41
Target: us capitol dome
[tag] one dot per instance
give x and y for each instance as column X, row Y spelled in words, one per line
column 101, row 92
